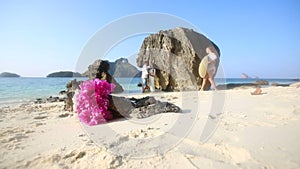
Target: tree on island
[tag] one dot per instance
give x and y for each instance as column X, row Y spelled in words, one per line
column 8, row 74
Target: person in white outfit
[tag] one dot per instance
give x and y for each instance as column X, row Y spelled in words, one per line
column 152, row 73
column 145, row 75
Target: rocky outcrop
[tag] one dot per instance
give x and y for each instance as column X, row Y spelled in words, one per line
column 93, row 70
column 71, row 86
column 279, row 84
column 122, row 68
column 119, row 68
column 50, row 99
column 65, row 96
column 64, row 74
column 261, row 82
column 176, row 55
column 8, row 74
column 236, row 86
column 139, row 108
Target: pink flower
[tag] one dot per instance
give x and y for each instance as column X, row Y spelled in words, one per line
column 93, row 101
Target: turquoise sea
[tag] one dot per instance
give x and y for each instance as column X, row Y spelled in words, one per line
column 24, row 89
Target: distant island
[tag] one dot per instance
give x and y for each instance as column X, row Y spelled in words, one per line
column 64, row 74
column 8, row 74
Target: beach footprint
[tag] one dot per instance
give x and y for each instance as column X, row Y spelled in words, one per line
column 14, row 141
column 296, row 110
column 119, row 140
column 63, row 115
column 140, row 134
column 40, row 117
column 74, row 155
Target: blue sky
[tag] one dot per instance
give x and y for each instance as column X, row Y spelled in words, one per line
column 260, row 38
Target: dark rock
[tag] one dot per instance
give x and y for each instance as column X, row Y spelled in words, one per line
column 68, row 104
column 139, row 108
column 52, row 99
column 142, row 102
column 119, row 68
column 61, row 99
column 153, row 109
column 278, row 84
column 103, row 74
column 39, row 101
column 176, row 54
column 236, row 85
column 40, row 117
column 262, row 82
column 92, row 69
column 8, row 74
column 63, row 92
column 101, row 70
column 71, row 86
column 63, row 115
column 242, row 85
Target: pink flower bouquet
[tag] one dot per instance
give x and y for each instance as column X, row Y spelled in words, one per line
column 93, row 101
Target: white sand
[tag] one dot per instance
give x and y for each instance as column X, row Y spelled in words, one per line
column 244, row 131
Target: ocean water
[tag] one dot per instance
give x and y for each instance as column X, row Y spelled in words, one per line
column 20, row 90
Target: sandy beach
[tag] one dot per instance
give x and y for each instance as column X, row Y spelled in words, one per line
column 222, row 129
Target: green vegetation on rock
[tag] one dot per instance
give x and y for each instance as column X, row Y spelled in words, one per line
column 64, row 74
column 8, row 74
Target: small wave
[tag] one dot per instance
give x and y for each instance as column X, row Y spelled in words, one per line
column 6, row 103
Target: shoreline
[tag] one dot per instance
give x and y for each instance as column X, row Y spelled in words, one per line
column 252, row 132
column 226, row 86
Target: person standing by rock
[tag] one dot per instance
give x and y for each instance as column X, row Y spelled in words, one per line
column 211, row 67
column 152, row 73
column 145, row 75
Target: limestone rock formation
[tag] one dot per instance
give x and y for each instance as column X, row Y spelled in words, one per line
column 122, row 68
column 176, row 55
column 93, row 69
column 71, row 86
column 119, row 68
